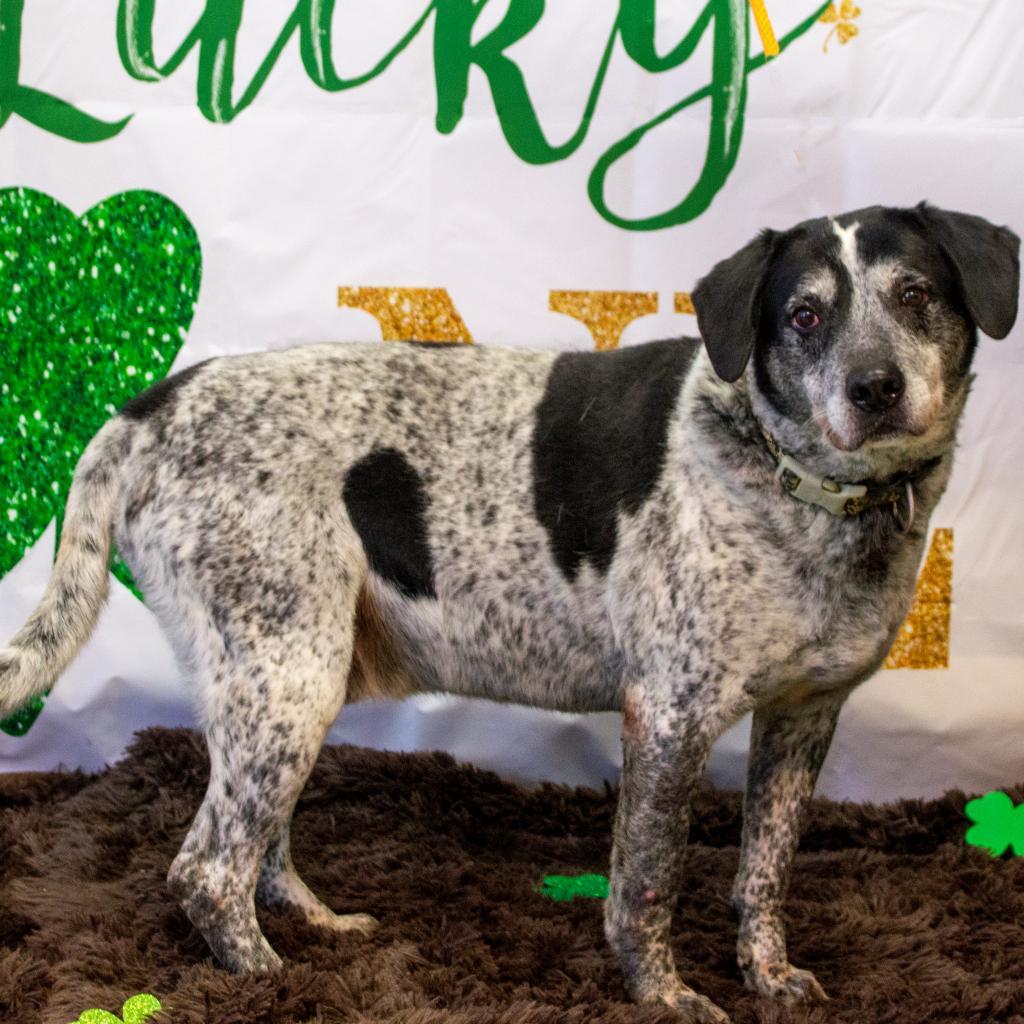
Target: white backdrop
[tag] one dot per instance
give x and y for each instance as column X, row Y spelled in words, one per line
column 306, row 191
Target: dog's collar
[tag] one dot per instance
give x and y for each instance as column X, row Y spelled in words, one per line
column 845, row 500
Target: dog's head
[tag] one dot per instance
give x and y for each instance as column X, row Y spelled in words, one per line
column 859, row 329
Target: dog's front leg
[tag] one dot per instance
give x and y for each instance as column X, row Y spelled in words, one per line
column 663, row 757
column 787, row 747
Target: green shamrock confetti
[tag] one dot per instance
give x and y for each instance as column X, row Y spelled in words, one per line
column 999, row 826
column 93, row 310
column 567, row 887
column 134, row 1011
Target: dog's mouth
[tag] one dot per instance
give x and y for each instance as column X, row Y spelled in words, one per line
column 888, row 429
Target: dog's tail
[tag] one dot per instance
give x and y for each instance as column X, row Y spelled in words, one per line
column 78, row 584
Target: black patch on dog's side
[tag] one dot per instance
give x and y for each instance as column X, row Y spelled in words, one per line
column 599, row 443
column 387, row 504
column 157, row 397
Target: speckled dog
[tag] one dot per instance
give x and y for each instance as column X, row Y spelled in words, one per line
column 684, row 534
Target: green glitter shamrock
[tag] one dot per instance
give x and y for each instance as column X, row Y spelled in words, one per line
column 999, row 826
column 567, row 887
column 93, row 310
column 134, row 1011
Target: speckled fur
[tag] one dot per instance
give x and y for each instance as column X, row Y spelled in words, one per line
column 224, row 496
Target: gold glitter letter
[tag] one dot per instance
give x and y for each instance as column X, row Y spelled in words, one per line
column 923, row 640
column 684, row 304
column 410, row 314
column 606, row 314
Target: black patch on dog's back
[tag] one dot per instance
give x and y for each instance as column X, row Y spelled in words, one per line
column 599, row 443
column 157, row 397
column 387, row 504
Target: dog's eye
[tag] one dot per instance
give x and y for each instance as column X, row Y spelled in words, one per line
column 914, row 297
column 805, row 319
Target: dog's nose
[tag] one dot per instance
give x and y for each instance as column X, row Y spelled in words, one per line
column 876, row 387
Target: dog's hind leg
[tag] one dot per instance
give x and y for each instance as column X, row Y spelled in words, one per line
column 271, row 689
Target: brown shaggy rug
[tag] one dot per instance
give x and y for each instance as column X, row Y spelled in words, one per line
column 897, row 917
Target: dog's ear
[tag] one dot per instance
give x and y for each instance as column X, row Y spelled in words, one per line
column 987, row 262
column 728, row 305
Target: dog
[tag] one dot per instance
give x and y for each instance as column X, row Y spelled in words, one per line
column 682, row 532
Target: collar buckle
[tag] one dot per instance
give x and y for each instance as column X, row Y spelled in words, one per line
column 806, row 485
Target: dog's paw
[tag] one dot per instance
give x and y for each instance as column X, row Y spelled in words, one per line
column 697, row 1009
column 784, row 982
column 366, row 924
column 692, row 1007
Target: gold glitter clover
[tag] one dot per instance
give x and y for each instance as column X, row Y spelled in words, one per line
column 923, row 639
column 605, row 314
column 410, row 314
column 841, row 19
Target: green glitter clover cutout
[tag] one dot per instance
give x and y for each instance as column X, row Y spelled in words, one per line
column 93, row 310
column 134, row 1011
column 567, row 887
column 1000, row 825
